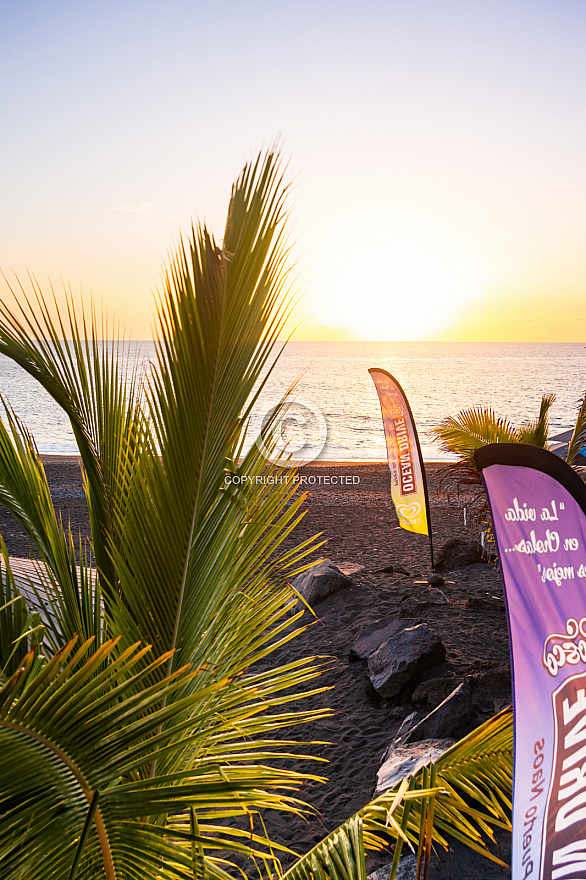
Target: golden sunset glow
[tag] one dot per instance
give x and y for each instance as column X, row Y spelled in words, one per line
column 541, row 316
column 435, row 152
column 393, row 289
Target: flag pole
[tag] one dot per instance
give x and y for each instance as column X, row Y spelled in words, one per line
column 424, row 479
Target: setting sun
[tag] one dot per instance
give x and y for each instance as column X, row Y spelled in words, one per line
column 436, row 157
column 391, row 286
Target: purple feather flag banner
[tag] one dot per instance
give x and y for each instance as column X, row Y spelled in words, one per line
column 538, row 509
column 408, row 485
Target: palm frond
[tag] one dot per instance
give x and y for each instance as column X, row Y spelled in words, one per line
column 536, row 431
column 464, row 795
column 478, row 426
column 578, row 440
column 218, row 318
column 471, row 429
column 96, row 382
column 20, row 630
column 53, row 778
column 69, row 597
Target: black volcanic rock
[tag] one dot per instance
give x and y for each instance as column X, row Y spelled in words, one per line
column 400, row 660
column 321, row 581
column 374, row 635
column 457, row 553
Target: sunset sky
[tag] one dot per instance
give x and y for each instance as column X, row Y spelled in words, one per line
column 437, row 151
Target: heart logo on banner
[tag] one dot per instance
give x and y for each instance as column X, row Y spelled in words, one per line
column 409, row 511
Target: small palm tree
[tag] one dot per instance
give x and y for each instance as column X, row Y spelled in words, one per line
column 136, row 723
column 478, row 426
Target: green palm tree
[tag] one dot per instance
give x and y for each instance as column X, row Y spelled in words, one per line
column 136, row 723
column 179, row 560
column 478, row 426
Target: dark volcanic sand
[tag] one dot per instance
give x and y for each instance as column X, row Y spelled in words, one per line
column 360, row 526
column 64, row 478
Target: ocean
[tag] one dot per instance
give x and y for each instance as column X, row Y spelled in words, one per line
column 337, row 399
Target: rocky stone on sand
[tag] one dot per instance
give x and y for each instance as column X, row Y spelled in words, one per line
column 321, row 581
column 458, row 552
column 430, row 693
column 402, row 760
column 350, row 568
column 406, row 869
column 413, row 605
column 402, row 658
column 393, row 569
column 374, row 635
column 435, row 580
column 445, row 719
column 491, row 690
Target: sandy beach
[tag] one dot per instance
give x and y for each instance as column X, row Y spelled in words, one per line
column 356, row 518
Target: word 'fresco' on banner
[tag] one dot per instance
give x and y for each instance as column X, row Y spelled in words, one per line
column 538, row 509
column 408, row 486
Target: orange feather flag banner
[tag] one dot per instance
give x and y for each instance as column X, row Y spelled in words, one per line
column 408, row 483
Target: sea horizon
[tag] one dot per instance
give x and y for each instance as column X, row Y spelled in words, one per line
column 333, row 384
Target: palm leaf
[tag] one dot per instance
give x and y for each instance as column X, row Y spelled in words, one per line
column 67, row 593
column 536, row 431
column 96, row 382
column 217, row 323
column 59, row 783
column 20, row 631
column 578, row 440
column 464, row 795
column 472, row 428
column 478, row 426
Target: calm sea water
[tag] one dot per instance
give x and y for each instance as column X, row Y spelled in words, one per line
column 438, row 378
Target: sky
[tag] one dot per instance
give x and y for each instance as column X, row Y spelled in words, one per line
column 436, row 148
